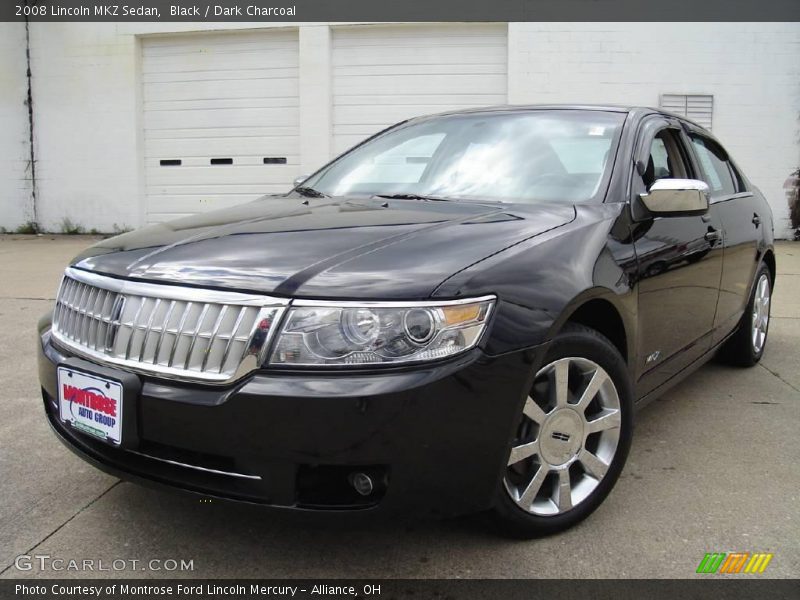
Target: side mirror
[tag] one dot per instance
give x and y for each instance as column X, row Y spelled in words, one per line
column 676, row 198
column 298, row 180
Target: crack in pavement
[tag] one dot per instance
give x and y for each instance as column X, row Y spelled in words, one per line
column 775, row 374
column 64, row 524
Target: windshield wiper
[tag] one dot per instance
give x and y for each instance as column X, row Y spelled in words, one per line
column 411, row 197
column 309, row 192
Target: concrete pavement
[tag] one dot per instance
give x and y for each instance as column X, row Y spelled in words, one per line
column 713, row 468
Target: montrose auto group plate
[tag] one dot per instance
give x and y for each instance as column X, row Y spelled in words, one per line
column 91, row 404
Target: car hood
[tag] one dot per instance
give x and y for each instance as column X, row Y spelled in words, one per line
column 323, row 248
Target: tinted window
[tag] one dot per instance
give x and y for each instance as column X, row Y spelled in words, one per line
column 715, row 167
column 520, row 157
column 665, row 160
column 661, row 162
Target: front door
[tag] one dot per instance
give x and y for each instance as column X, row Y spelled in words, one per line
column 679, row 266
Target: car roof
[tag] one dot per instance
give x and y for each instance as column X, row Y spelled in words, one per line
column 637, row 111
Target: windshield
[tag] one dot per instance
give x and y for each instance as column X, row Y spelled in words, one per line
column 531, row 156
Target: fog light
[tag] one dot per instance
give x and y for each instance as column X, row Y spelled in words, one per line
column 362, row 483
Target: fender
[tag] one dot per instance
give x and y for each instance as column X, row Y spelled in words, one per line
column 590, row 258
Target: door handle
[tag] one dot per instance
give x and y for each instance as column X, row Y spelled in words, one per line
column 756, row 220
column 712, row 235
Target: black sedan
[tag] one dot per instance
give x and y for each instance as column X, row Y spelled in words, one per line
column 459, row 314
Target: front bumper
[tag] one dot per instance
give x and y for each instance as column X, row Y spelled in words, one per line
column 432, row 439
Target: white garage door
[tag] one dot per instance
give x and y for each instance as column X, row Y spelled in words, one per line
column 220, row 119
column 384, row 74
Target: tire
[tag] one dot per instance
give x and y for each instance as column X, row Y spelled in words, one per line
column 744, row 348
column 556, row 438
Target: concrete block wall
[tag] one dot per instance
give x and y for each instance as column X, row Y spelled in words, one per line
column 751, row 69
column 16, row 201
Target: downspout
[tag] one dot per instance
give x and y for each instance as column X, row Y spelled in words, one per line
column 29, row 102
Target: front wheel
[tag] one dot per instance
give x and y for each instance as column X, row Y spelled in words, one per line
column 572, row 439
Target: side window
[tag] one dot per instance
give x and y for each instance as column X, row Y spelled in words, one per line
column 717, row 172
column 665, row 160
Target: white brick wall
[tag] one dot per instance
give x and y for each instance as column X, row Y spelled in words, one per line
column 752, row 69
column 87, row 125
column 88, row 106
column 15, row 189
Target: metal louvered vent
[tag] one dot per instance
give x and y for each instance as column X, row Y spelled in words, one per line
column 697, row 107
column 165, row 330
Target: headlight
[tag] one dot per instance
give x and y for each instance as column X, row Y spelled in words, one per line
column 353, row 334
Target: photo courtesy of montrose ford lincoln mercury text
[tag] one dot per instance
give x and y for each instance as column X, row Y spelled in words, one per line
column 459, row 314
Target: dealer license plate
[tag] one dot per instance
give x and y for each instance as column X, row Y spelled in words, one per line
column 91, row 404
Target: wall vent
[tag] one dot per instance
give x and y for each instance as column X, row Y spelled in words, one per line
column 697, row 107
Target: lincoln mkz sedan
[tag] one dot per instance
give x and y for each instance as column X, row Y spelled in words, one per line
column 459, row 314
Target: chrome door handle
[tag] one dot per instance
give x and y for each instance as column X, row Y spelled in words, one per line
column 712, row 235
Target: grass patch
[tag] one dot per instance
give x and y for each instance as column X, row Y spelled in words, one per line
column 29, row 228
column 70, row 228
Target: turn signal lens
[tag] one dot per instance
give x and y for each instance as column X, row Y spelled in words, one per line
column 461, row 314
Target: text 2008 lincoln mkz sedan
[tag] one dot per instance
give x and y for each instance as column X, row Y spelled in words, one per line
column 459, row 314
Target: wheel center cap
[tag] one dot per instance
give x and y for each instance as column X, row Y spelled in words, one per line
column 561, row 436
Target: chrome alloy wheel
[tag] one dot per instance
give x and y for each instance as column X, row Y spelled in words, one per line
column 760, row 320
column 567, row 438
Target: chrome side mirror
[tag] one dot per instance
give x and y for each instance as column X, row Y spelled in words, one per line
column 298, row 180
column 676, row 197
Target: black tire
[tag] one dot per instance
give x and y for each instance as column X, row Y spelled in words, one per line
column 581, row 342
column 739, row 349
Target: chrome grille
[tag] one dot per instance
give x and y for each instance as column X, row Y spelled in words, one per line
column 167, row 330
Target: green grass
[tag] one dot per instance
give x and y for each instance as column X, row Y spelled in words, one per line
column 70, row 228
column 29, row 228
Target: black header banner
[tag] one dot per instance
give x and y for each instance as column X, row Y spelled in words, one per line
column 729, row 588
column 399, row 10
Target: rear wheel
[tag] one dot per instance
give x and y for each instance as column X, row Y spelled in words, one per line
column 572, row 439
column 746, row 346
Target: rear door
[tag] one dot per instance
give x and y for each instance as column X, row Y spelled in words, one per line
column 679, row 265
column 734, row 205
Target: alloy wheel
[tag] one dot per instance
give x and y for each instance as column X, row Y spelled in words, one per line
column 760, row 320
column 567, row 438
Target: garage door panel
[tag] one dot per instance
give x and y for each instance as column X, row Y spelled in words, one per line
column 203, row 162
column 405, row 70
column 454, row 84
column 192, row 90
column 431, row 34
column 287, row 147
column 264, row 73
column 219, row 43
column 218, row 96
column 220, row 118
column 217, row 103
column 211, row 189
column 400, row 56
column 221, row 62
column 266, row 174
column 388, row 73
column 212, row 132
column 445, row 100
column 376, row 115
